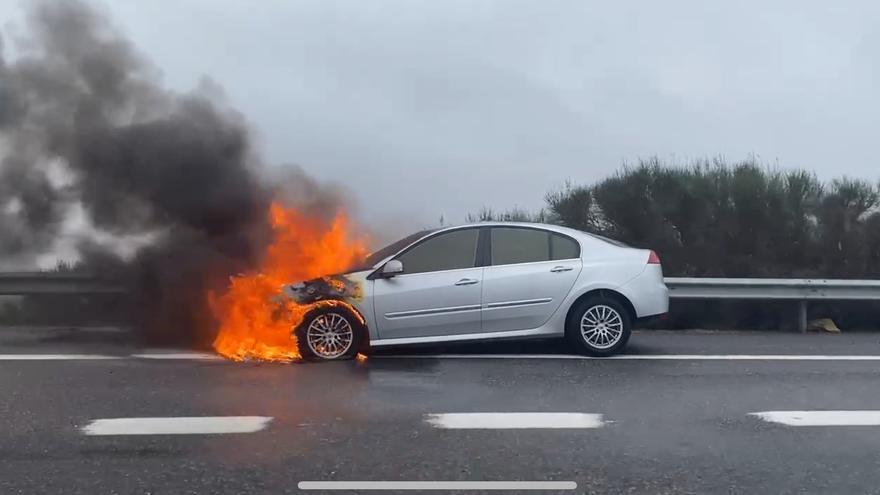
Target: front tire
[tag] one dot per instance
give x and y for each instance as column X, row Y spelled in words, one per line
column 599, row 327
column 328, row 334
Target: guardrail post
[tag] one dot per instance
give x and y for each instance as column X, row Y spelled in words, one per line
column 802, row 316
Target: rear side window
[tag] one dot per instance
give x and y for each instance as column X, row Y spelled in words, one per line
column 563, row 248
column 449, row 251
column 511, row 245
column 518, row 245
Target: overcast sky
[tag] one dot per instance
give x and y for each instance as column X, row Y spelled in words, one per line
column 439, row 107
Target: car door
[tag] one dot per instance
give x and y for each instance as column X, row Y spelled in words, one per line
column 438, row 292
column 530, row 273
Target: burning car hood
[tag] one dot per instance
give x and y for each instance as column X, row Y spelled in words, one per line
column 341, row 287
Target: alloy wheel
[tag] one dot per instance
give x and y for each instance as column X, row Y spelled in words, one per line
column 601, row 326
column 329, row 335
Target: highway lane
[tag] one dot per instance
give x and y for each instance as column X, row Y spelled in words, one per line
column 643, row 426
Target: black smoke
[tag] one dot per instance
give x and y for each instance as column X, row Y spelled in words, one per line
column 77, row 101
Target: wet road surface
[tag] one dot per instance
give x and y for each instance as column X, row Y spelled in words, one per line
column 503, row 412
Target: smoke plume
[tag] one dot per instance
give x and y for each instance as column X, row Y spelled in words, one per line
column 86, row 128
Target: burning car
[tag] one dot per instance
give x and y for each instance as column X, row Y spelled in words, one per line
column 483, row 281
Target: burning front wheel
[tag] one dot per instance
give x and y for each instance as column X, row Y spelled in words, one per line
column 328, row 335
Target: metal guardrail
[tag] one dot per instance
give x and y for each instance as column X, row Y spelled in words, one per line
column 773, row 288
column 32, row 283
column 800, row 290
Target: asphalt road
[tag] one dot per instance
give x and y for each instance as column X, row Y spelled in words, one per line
column 670, row 425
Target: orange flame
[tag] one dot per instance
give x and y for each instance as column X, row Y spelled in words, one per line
column 257, row 324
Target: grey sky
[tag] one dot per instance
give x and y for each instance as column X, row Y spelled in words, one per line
column 440, row 107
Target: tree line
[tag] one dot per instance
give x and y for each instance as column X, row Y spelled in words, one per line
column 713, row 219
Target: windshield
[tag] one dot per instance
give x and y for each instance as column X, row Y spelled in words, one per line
column 380, row 254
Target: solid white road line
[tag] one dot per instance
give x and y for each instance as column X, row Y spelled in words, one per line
column 745, row 357
column 198, row 356
column 207, row 425
column 821, row 418
column 205, row 356
column 55, row 357
column 647, row 357
column 437, row 485
column 500, row 421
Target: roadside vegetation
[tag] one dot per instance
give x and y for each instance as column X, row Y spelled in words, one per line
column 712, row 219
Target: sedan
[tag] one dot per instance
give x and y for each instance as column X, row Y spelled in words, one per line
column 480, row 282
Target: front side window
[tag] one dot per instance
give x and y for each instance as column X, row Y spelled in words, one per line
column 449, row 251
column 379, row 255
column 518, row 245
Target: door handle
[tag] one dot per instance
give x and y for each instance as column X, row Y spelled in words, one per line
column 558, row 269
column 467, row 281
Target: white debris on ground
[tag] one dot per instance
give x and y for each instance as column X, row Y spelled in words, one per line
column 823, row 325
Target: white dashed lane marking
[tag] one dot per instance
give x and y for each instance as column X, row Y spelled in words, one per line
column 437, row 485
column 508, row 420
column 206, row 425
column 821, row 418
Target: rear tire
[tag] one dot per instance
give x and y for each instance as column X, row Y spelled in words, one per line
column 599, row 327
column 329, row 334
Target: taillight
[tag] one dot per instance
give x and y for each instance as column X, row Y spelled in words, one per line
column 653, row 259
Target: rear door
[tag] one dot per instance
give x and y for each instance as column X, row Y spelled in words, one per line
column 438, row 292
column 531, row 271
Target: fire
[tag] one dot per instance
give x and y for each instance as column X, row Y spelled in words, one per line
column 257, row 324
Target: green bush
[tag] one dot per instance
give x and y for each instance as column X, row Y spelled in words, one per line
column 742, row 220
column 713, row 219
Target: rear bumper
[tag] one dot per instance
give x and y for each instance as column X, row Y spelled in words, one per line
column 647, row 293
column 650, row 320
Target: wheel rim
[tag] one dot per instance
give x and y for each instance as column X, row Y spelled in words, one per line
column 329, row 335
column 601, row 326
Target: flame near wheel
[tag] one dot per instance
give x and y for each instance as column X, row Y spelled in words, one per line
column 329, row 334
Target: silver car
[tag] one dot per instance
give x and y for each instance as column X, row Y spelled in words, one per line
column 482, row 282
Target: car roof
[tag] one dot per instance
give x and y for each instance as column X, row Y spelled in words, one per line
column 533, row 225
column 584, row 238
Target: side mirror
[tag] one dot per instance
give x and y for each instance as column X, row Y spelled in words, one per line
column 392, row 268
